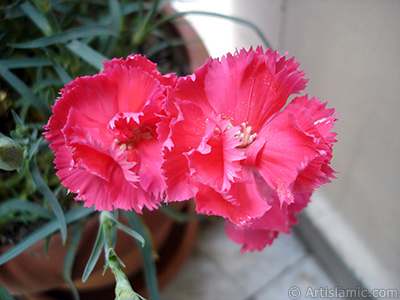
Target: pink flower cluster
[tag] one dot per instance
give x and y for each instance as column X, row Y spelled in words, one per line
column 225, row 136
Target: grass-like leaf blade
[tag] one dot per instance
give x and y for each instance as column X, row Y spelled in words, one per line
column 24, row 90
column 94, row 256
column 36, row 17
column 70, row 256
column 87, row 53
column 67, row 35
column 64, row 76
column 146, row 251
column 21, row 63
column 116, row 14
column 21, row 205
column 45, row 190
column 42, row 232
column 136, row 235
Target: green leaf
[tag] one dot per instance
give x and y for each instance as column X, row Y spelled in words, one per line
column 87, row 53
column 22, row 205
column 45, row 190
column 134, row 7
column 70, row 257
column 33, row 148
column 22, row 63
column 36, row 17
column 43, row 5
column 4, row 295
column 150, row 270
column 24, row 90
column 42, row 232
column 64, row 76
column 138, row 237
column 94, row 257
column 116, row 15
column 68, row 35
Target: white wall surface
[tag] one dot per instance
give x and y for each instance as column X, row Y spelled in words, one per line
column 350, row 50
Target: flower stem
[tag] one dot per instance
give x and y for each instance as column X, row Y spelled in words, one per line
column 123, row 289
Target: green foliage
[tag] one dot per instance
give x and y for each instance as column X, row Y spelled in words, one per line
column 44, row 45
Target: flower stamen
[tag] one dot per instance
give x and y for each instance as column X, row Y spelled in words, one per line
column 245, row 136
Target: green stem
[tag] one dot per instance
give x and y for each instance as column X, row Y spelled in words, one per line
column 123, row 289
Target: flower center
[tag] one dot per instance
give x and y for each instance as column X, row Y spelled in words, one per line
column 245, row 135
column 127, row 132
column 127, row 137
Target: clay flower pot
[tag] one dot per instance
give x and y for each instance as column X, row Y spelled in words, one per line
column 172, row 242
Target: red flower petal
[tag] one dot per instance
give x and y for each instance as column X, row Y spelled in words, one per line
column 218, row 165
column 286, row 153
column 242, row 203
column 103, row 133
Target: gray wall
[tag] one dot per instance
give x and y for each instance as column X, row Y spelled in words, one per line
column 350, row 51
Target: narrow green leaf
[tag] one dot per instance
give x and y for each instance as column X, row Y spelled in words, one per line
column 68, row 35
column 17, row 119
column 33, row 149
column 42, row 232
column 134, row 7
column 138, row 237
column 22, row 63
column 64, row 76
column 45, row 83
column 87, row 53
column 45, row 190
column 4, row 295
column 24, row 90
column 128, row 230
column 70, row 256
column 146, row 251
column 36, row 17
column 94, row 257
column 116, row 16
column 21, row 205
column 43, row 5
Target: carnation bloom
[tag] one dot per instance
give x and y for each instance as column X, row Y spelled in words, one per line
column 103, row 134
column 233, row 145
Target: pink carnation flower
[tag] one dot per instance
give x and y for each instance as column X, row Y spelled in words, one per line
column 231, row 143
column 103, row 134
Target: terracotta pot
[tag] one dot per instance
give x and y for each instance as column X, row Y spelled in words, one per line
column 32, row 271
column 171, row 254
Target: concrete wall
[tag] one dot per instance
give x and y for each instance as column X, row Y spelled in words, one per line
column 350, row 51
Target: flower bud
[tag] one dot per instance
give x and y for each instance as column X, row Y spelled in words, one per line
column 11, row 154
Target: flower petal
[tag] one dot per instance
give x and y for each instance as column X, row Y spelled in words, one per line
column 186, row 134
column 286, row 153
column 260, row 232
column 242, row 203
column 249, row 87
column 219, row 165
